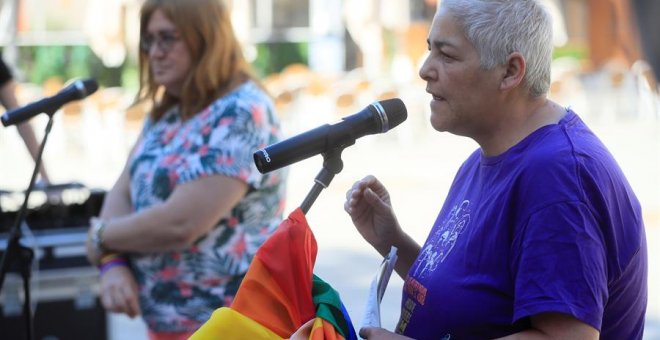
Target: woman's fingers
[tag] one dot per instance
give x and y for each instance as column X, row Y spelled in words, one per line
column 119, row 293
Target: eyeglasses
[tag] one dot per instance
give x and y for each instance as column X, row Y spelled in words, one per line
column 165, row 40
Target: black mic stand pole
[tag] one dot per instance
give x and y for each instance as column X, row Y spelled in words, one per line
column 332, row 165
column 15, row 251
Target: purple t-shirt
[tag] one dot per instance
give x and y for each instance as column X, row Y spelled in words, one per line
column 551, row 225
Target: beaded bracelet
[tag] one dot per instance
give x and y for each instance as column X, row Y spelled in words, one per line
column 108, row 257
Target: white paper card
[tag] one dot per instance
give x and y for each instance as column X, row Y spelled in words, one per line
column 378, row 285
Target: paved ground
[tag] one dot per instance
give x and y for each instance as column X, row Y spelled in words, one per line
column 416, row 164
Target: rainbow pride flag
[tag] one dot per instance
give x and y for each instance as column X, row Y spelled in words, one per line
column 280, row 297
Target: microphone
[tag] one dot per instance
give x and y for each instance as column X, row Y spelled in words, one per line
column 379, row 117
column 79, row 89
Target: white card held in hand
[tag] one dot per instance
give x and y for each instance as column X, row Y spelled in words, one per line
column 378, row 285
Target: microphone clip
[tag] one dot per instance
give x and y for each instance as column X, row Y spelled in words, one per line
column 332, row 165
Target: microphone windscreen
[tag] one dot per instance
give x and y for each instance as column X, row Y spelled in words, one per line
column 90, row 86
column 395, row 110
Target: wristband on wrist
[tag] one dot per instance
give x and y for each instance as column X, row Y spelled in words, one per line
column 115, row 261
column 107, row 257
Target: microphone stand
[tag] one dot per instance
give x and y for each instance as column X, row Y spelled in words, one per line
column 332, row 165
column 15, row 251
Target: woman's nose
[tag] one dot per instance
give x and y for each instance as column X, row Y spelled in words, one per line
column 425, row 71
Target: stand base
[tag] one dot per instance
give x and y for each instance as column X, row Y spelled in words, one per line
column 67, row 306
column 60, row 319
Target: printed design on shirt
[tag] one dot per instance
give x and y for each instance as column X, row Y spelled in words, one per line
column 406, row 313
column 180, row 289
column 415, row 290
column 416, row 296
column 442, row 241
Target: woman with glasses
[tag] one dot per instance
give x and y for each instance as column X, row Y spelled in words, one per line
column 178, row 229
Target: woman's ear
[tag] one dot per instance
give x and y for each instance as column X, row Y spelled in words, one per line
column 514, row 71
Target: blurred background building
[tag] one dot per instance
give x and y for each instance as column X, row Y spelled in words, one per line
column 51, row 41
column 329, row 36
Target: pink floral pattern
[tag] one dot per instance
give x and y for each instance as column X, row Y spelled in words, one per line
column 180, row 290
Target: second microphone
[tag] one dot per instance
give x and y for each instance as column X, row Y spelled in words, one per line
column 378, row 117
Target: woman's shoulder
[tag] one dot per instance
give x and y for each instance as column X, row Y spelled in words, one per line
column 243, row 97
column 249, row 91
column 246, row 105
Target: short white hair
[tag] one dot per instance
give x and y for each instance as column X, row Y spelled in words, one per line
column 498, row 28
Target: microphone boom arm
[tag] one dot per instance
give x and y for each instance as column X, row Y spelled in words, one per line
column 332, row 165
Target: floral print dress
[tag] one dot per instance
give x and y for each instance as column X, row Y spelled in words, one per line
column 180, row 289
